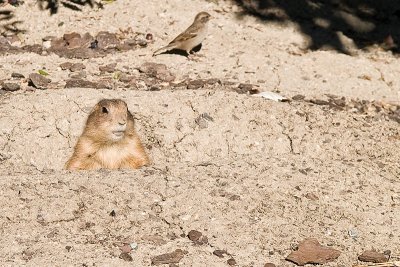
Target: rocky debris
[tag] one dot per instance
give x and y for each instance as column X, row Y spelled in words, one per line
column 194, row 235
column 38, row 49
column 373, row 256
column 126, row 248
column 319, row 102
column 38, row 81
column 156, row 70
column 220, row 253
column 203, row 119
column 231, row 262
column 77, row 67
column 108, row 68
column 310, row 251
column 298, row 97
column 197, row 237
column 6, row 47
column 247, row 88
column 212, row 81
column 11, row 87
column 72, row 66
column 71, row 41
column 269, row 265
column 66, row 65
column 169, row 258
column 200, row 83
column 80, row 75
column 311, row 196
column 126, row 256
column 376, row 109
column 46, row 41
column 106, row 40
column 80, row 83
column 149, row 37
column 17, row 75
column 332, row 102
column 125, row 78
column 13, row 38
column 75, row 45
column 196, row 84
column 142, row 41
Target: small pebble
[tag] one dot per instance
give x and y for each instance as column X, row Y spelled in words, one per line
column 353, row 233
column 194, row 235
column 125, row 256
column 134, row 245
column 373, row 256
column 149, row 36
column 219, row 253
column 17, row 75
column 126, row 248
column 11, row 87
column 231, row 262
column 94, row 44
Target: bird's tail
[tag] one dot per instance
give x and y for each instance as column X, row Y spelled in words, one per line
column 164, row 49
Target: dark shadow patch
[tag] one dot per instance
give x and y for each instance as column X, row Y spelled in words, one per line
column 365, row 22
column 8, row 26
column 177, row 52
column 197, row 48
column 182, row 52
column 76, row 5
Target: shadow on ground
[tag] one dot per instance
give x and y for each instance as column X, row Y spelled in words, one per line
column 53, row 5
column 366, row 22
column 9, row 27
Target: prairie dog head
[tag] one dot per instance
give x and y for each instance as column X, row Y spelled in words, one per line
column 202, row 17
column 109, row 121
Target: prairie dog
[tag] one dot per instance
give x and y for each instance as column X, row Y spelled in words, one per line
column 109, row 140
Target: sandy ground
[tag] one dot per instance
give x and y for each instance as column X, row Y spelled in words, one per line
column 243, row 176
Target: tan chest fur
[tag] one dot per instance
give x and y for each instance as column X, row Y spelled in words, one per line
column 113, row 156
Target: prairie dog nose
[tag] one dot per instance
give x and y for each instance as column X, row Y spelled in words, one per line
column 122, row 123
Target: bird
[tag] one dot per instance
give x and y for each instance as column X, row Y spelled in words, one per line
column 193, row 36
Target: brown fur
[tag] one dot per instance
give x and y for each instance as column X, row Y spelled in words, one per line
column 109, row 140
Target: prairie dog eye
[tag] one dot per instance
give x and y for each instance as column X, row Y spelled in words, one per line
column 104, row 110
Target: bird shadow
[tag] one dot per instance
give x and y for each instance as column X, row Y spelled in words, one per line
column 325, row 22
column 182, row 52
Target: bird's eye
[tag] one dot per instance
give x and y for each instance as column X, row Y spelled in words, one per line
column 104, row 110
